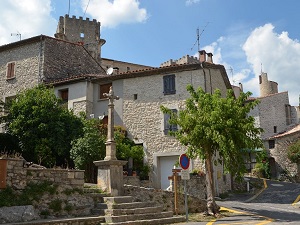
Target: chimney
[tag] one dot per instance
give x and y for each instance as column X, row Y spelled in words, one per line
column 116, row 70
column 210, row 57
column 202, row 56
column 241, row 87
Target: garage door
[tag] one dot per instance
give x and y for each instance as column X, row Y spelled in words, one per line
column 166, row 166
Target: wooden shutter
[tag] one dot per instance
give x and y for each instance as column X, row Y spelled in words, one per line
column 10, row 70
column 167, row 126
column 166, row 123
column 173, row 127
column 169, row 84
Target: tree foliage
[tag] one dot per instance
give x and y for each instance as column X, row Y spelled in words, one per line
column 216, row 130
column 294, row 152
column 89, row 148
column 45, row 128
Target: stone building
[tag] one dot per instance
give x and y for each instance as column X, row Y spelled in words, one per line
column 87, row 33
column 278, row 119
column 42, row 59
column 78, row 75
column 141, row 93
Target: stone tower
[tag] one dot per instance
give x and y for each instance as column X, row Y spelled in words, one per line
column 266, row 86
column 81, row 31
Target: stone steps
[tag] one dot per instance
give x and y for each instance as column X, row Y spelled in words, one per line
column 122, row 210
column 169, row 220
column 118, row 212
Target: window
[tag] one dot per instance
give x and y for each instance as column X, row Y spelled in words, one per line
column 10, row 70
column 104, row 88
column 169, row 84
column 169, row 127
column 135, row 96
column 275, row 129
column 271, row 144
column 105, row 121
column 81, row 35
column 64, row 95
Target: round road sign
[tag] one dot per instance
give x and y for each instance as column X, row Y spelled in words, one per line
column 184, row 161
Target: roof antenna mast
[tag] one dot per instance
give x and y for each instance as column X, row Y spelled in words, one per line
column 69, row 8
column 198, row 37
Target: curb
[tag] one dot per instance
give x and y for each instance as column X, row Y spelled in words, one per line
column 296, row 200
column 261, row 191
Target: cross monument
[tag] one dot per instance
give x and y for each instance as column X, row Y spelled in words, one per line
column 110, row 170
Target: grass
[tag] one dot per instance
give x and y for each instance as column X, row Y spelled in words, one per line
column 32, row 192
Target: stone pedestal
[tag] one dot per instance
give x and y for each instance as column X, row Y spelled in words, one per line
column 110, row 176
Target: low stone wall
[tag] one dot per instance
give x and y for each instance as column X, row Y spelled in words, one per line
column 18, row 176
column 165, row 198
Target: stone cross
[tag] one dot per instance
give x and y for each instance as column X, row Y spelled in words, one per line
column 110, row 142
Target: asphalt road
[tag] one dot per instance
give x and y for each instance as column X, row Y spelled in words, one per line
column 272, row 206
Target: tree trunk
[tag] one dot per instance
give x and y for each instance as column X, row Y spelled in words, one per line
column 212, row 207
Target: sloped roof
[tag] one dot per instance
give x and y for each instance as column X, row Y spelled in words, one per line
column 290, row 130
column 148, row 72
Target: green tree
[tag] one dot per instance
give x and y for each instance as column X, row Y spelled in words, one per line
column 294, row 152
column 89, row 148
column 45, row 128
column 216, row 129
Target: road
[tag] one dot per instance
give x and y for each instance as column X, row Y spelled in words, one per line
column 273, row 206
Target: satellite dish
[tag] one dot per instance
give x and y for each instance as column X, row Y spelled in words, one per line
column 101, row 117
column 109, row 71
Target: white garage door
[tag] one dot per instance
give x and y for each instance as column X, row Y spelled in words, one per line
column 166, row 166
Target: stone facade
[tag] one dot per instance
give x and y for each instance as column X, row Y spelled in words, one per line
column 142, row 116
column 271, row 114
column 84, row 32
column 27, row 68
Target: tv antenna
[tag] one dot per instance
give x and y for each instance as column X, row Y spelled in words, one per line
column 17, row 34
column 69, row 8
column 198, row 37
column 231, row 71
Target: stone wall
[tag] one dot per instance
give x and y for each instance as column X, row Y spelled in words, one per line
column 165, row 198
column 18, row 176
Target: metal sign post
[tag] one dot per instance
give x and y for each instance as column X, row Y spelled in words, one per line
column 185, row 175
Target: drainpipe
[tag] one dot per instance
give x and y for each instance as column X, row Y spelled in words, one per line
column 40, row 61
column 204, row 76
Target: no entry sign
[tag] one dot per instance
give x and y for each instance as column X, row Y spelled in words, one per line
column 184, row 161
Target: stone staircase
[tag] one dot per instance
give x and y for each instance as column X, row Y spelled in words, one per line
column 122, row 210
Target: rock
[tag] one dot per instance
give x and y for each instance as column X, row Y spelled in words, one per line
column 17, row 214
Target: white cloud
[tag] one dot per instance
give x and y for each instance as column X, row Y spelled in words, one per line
column 28, row 17
column 278, row 56
column 111, row 13
column 191, row 2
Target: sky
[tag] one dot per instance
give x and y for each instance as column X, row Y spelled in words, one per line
column 247, row 37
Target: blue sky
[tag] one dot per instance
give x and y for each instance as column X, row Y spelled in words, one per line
column 245, row 36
